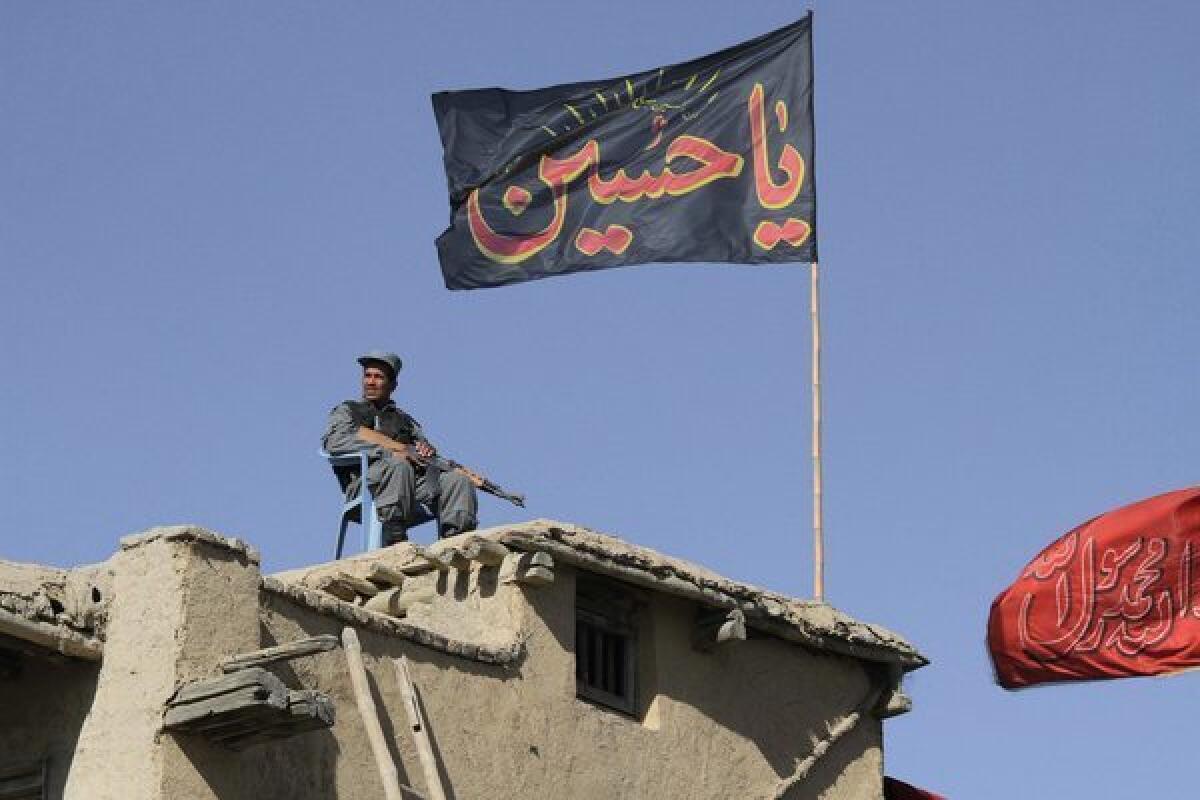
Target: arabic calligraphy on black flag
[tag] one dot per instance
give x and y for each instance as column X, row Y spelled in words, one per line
column 711, row 160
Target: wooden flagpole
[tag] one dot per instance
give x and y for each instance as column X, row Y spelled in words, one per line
column 818, row 519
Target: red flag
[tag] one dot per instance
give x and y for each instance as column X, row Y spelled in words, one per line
column 899, row 790
column 1116, row 597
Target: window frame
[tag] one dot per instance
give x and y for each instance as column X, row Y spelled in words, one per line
column 607, row 611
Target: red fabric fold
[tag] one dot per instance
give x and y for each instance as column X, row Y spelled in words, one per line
column 899, row 790
column 1118, row 596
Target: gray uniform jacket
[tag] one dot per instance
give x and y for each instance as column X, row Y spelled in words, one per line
column 341, row 433
column 404, row 495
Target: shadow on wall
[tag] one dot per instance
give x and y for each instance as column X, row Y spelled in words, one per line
column 784, row 699
column 775, row 694
column 298, row 766
column 301, row 766
column 44, row 708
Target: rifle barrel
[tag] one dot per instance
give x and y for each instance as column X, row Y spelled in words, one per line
column 488, row 485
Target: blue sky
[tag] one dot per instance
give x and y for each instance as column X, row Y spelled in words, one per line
column 206, row 210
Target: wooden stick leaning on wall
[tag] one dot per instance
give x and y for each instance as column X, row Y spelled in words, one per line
column 412, row 707
column 370, row 717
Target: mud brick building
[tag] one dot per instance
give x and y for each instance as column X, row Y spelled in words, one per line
column 549, row 661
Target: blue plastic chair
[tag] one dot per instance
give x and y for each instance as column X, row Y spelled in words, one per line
column 360, row 508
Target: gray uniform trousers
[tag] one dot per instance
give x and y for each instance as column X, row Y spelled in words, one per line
column 405, row 496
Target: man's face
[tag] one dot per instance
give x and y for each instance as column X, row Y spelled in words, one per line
column 376, row 384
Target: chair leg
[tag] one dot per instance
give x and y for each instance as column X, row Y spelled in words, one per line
column 341, row 537
column 372, row 527
column 376, row 532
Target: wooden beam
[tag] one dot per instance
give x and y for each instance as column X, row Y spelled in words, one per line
column 893, row 703
column 531, row 569
column 386, row 602
column 447, row 557
column 385, row 576
column 52, row 637
column 484, row 551
column 425, row 563
column 245, row 722
column 416, row 723
column 247, row 695
column 717, row 628
column 215, row 687
column 397, row 602
column 307, row 710
column 536, row 576
column 331, row 585
column 370, row 717
column 345, row 586
column 310, row 707
column 361, row 586
column 246, row 707
column 282, row 652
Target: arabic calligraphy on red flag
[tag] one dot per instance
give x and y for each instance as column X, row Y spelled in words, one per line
column 899, row 790
column 709, row 160
column 1117, row 597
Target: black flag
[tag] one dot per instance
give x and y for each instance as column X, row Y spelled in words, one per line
column 711, row 160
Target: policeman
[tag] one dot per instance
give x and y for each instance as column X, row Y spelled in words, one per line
column 406, row 493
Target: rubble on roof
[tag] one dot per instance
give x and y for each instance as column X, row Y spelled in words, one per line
column 49, row 609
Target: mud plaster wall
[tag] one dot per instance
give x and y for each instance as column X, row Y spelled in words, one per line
column 724, row 725
column 218, row 589
column 177, row 606
column 117, row 756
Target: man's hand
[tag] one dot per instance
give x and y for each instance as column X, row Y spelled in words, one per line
column 401, row 450
column 472, row 475
column 398, row 449
column 414, row 452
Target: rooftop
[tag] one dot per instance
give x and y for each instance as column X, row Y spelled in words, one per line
column 814, row 625
column 63, row 610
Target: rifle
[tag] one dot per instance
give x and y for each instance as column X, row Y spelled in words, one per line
column 442, row 464
column 449, row 465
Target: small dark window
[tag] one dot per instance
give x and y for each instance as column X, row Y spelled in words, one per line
column 10, row 665
column 605, row 647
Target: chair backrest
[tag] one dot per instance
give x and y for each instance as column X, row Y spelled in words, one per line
column 345, row 475
column 347, row 468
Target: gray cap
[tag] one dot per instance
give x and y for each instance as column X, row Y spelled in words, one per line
column 389, row 360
